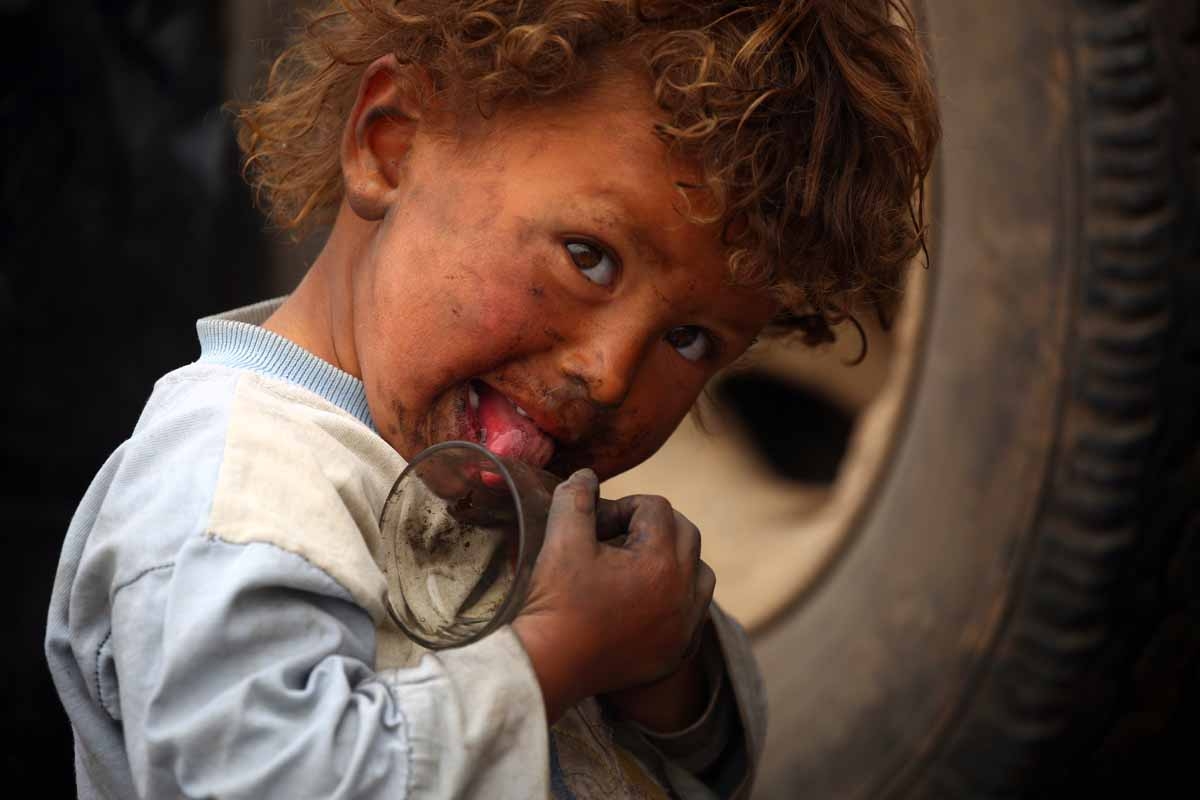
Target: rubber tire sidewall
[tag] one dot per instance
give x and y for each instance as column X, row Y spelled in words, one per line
column 943, row 653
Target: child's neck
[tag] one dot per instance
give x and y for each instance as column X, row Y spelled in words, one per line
column 318, row 315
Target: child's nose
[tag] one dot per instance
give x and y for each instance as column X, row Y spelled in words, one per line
column 607, row 363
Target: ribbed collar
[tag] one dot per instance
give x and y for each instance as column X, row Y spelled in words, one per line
column 237, row 339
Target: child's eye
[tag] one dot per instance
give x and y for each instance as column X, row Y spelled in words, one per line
column 596, row 264
column 694, row 344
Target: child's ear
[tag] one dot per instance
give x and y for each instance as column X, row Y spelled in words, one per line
column 380, row 132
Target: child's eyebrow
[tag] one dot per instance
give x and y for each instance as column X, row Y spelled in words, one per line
column 616, row 212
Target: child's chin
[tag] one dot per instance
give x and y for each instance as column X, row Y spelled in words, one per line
column 564, row 463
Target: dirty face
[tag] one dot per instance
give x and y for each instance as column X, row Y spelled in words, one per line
column 536, row 288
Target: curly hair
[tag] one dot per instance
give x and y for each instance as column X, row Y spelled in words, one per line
column 813, row 122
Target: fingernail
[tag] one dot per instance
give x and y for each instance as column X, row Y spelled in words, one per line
column 585, row 474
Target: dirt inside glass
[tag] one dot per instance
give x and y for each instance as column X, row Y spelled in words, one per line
column 464, row 527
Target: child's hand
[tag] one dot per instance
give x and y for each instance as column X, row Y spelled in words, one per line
column 602, row 618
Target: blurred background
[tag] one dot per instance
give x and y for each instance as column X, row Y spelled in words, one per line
column 125, row 219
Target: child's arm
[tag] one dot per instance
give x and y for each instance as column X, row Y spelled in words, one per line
column 245, row 670
column 718, row 746
column 670, row 704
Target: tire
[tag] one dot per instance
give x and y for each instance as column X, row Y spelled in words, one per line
column 1017, row 611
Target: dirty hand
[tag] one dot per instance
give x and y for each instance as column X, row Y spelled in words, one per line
column 602, row 618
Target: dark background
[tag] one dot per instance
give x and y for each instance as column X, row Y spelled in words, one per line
column 124, row 219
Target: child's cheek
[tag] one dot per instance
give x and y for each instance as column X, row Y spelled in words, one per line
column 500, row 311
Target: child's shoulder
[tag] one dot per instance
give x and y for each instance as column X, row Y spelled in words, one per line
column 235, row 457
column 302, row 474
column 241, row 412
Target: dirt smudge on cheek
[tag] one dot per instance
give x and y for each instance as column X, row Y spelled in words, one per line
column 663, row 298
column 490, row 203
column 526, row 231
column 606, row 448
column 624, row 439
column 621, row 443
column 398, row 426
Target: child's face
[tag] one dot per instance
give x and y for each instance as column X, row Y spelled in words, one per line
column 544, row 266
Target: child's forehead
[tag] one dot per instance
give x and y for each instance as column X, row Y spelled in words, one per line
column 611, row 165
column 605, row 155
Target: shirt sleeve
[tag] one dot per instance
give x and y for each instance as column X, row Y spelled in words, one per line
column 717, row 756
column 698, row 747
column 241, row 670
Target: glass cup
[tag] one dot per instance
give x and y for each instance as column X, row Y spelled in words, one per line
column 465, row 528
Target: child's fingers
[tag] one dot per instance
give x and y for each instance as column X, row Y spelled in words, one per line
column 611, row 520
column 633, row 516
column 687, row 540
column 648, row 520
column 706, row 584
column 612, row 517
column 652, row 515
column 572, row 516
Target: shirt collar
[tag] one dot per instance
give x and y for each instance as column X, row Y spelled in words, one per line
column 237, row 339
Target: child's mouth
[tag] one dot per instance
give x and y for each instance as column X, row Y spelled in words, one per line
column 505, row 428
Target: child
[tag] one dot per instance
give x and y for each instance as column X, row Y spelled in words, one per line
column 553, row 221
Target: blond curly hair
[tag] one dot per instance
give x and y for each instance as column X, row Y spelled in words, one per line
column 813, row 122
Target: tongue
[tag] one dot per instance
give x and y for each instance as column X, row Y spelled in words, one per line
column 510, row 435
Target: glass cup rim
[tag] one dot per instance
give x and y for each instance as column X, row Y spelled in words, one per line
column 514, row 595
